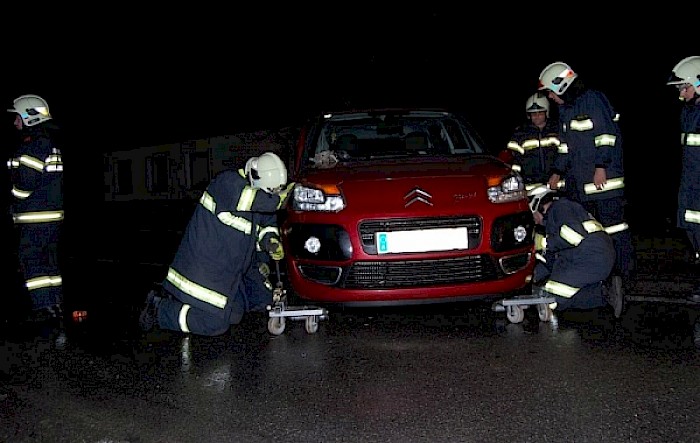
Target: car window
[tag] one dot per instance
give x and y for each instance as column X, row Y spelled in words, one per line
column 364, row 136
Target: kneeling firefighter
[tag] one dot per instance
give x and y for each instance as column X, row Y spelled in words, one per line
column 216, row 275
column 578, row 255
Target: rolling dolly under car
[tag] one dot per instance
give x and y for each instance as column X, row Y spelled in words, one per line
column 279, row 311
column 515, row 307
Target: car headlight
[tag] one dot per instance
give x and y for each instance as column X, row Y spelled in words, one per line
column 323, row 198
column 510, row 188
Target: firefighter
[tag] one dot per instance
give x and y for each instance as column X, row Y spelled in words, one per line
column 578, row 256
column 686, row 77
column 590, row 157
column 36, row 172
column 216, row 275
column 533, row 145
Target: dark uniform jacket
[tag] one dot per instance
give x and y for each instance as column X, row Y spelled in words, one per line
column 220, row 242
column 689, row 191
column 36, row 172
column 578, row 250
column 533, row 152
column 590, row 138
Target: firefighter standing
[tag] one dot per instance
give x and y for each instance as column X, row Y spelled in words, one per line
column 686, row 77
column 590, row 157
column 533, row 145
column 216, row 276
column 579, row 255
column 36, row 172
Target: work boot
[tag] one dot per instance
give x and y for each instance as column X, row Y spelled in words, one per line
column 149, row 315
column 616, row 294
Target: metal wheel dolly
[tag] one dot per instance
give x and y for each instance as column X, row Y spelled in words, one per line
column 279, row 312
column 515, row 307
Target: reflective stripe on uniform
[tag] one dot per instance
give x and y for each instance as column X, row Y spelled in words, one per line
column 614, row 229
column 563, row 148
column 245, row 202
column 236, row 222
column 268, row 229
column 581, row 125
column 513, row 146
column 691, row 216
column 196, row 291
column 32, row 162
column 560, row 289
column 37, row 217
column 611, row 185
column 605, row 140
column 208, row 202
column 227, row 218
column 44, row 281
column 690, row 139
column 182, row 318
column 592, row 226
column 571, row 236
column 19, row 193
column 516, row 168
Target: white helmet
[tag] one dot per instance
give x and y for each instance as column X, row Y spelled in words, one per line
column 266, row 172
column 557, row 77
column 541, row 195
column 686, row 71
column 537, row 103
column 32, row 108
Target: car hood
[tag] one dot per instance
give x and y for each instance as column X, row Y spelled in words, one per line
column 414, row 185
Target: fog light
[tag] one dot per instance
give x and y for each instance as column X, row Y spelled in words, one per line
column 520, row 233
column 312, row 244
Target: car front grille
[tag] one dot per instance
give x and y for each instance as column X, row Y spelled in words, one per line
column 419, row 273
column 368, row 229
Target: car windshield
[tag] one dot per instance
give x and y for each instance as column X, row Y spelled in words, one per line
column 368, row 136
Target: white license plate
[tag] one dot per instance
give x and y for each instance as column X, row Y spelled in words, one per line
column 429, row 240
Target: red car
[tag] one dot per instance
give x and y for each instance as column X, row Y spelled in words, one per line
column 403, row 206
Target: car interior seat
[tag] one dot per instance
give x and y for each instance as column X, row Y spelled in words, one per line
column 417, row 142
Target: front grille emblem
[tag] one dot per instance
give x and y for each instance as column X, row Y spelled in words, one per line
column 417, row 195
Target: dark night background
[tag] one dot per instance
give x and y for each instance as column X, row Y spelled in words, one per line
column 121, row 78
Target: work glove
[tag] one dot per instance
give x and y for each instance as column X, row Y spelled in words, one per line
column 274, row 248
column 284, row 195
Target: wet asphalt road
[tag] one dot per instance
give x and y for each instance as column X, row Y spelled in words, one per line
column 441, row 373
